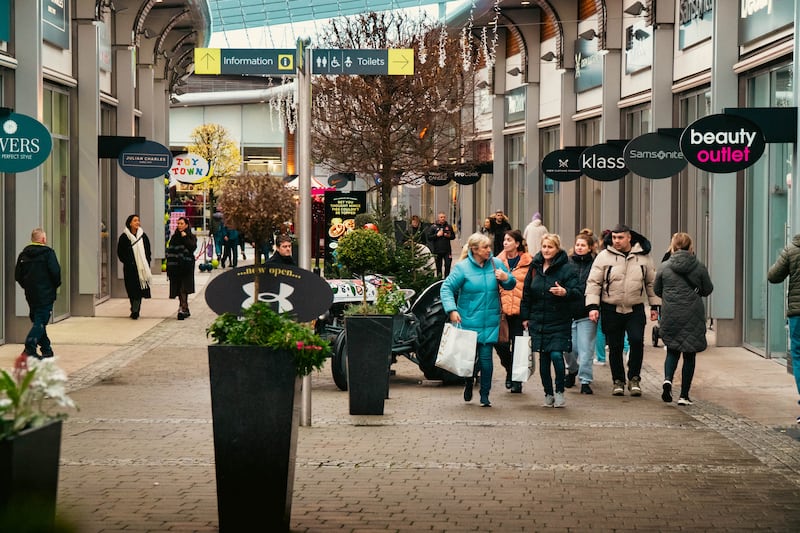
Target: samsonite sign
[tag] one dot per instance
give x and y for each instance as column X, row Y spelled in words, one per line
column 25, row 143
column 722, row 143
column 654, row 155
column 604, row 162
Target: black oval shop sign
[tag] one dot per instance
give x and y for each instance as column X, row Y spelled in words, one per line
column 287, row 288
column 564, row 164
column 438, row 179
column 654, row 155
column 146, row 160
column 604, row 162
column 722, row 143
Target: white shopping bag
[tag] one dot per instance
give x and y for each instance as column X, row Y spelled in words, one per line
column 523, row 364
column 457, row 350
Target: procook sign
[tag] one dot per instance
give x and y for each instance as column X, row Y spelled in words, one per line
column 25, row 143
column 654, row 156
column 722, row 143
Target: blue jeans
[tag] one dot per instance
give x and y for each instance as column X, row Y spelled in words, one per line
column 579, row 360
column 486, row 367
column 557, row 358
column 794, row 337
column 40, row 316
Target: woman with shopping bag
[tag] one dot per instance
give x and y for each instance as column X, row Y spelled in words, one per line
column 517, row 261
column 473, row 282
column 549, row 290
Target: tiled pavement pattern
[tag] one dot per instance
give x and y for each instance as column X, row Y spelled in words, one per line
column 138, row 456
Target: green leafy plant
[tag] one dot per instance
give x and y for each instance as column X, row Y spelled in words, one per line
column 390, row 301
column 31, row 396
column 363, row 251
column 259, row 325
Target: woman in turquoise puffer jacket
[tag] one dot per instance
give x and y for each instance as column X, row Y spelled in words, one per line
column 473, row 282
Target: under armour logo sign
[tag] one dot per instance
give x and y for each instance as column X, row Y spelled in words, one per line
column 282, row 298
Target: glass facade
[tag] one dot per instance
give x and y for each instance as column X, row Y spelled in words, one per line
column 55, row 196
column 515, row 180
column 637, row 189
column 766, row 219
column 589, row 191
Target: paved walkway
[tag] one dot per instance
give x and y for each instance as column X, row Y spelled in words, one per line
column 138, row 456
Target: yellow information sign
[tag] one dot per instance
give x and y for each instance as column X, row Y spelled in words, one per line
column 207, row 61
column 401, row 62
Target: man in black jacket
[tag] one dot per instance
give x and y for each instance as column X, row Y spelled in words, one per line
column 439, row 236
column 283, row 252
column 39, row 274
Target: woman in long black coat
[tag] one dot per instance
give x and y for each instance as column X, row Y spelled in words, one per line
column 551, row 287
column 180, row 265
column 133, row 251
column 681, row 282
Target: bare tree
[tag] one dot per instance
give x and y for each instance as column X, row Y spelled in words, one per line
column 393, row 128
column 257, row 205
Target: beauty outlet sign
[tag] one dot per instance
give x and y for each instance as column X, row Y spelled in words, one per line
column 722, row 143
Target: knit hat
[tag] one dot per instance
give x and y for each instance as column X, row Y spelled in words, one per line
column 537, row 216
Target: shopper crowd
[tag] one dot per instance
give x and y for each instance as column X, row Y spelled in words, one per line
column 578, row 302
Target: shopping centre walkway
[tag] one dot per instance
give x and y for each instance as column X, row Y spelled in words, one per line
column 138, row 456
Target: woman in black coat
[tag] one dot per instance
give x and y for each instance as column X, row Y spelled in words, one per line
column 681, row 282
column 547, row 302
column 133, row 251
column 180, row 265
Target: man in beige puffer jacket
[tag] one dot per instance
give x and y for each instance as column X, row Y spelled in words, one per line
column 619, row 285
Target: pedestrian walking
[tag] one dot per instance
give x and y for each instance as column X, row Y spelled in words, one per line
column 579, row 359
column 230, row 243
column 619, row 285
column 38, row 273
column 788, row 265
column 180, row 265
column 473, row 284
column 498, row 228
column 534, row 232
column 681, row 282
column 133, row 251
column 549, row 292
column 439, row 236
column 518, row 262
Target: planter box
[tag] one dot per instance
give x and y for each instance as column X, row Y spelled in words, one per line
column 369, row 351
column 29, row 476
column 255, row 420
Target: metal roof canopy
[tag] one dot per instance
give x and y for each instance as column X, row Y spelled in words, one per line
column 229, row 15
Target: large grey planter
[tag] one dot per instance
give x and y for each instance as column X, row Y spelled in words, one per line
column 255, row 420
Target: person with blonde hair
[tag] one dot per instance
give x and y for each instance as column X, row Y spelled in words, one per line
column 470, row 297
column 681, row 282
column 549, row 290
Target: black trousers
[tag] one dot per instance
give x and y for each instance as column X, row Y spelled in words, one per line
column 615, row 326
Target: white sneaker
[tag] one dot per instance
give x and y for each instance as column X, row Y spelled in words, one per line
column 549, row 400
column 559, row 400
column 684, row 401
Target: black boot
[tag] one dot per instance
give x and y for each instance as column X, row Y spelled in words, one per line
column 516, row 387
column 468, row 389
column 569, row 380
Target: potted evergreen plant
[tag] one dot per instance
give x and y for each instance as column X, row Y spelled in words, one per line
column 368, row 336
column 30, row 443
column 254, row 371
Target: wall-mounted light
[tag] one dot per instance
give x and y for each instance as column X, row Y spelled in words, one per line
column 640, row 35
column 516, row 71
column 482, row 84
column 549, row 56
column 588, row 35
column 635, row 9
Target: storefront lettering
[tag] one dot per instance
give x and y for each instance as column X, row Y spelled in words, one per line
column 594, row 161
column 19, row 145
column 695, row 9
column 751, row 7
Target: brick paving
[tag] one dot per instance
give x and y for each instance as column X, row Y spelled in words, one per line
column 138, row 456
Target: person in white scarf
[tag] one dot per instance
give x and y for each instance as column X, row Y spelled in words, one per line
column 133, row 250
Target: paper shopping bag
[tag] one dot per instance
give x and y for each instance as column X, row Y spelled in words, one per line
column 523, row 364
column 457, row 350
